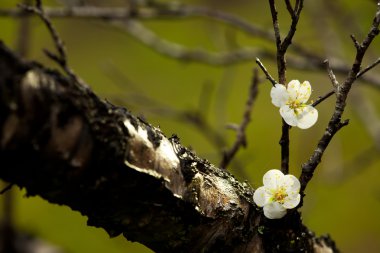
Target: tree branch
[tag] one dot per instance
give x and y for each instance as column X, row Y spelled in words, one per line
column 308, row 61
column 268, row 76
column 241, row 139
column 123, row 173
column 335, row 123
column 282, row 47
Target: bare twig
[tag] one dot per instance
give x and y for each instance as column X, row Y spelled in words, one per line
column 268, row 76
column 335, row 82
column 282, row 47
column 7, row 188
column 332, row 77
column 288, row 39
column 299, row 6
column 241, row 139
column 277, row 35
column 289, row 7
column 369, row 67
column 354, row 40
column 335, row 123
column 281, row 67
column 322, row 98
column 61, row 58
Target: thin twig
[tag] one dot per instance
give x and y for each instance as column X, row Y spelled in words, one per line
column 332, row 77
column 268, row 76
column 59, row 45
column 282, row 47
column 369, row 67
column 322, row 98
column 298, row 6
column 276, row 26
column 61, row 58
column 7, row 188
column 334, row 83
column 354, row 40
column 241, row 139
column 289, row 7
column 335, row 123
column 289, row 37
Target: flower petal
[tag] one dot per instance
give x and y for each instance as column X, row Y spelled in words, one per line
column 289, row 115
column 274, row 211
column 291, row 184
column 279, row 95
column 292, row 201
column 306, row 117
column 261, row 196
column 293, row 89
column 304, row 92
column 272, row 179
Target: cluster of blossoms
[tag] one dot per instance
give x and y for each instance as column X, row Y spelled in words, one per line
column 281, row 192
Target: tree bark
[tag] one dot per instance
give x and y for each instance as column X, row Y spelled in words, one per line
column 60, row 141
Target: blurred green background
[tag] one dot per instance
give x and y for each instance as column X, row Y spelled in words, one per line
column 343, row 199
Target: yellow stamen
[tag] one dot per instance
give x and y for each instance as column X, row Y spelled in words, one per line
column 280, row 195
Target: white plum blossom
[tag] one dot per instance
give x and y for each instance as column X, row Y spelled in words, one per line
column 292, row 102
column 280, row 192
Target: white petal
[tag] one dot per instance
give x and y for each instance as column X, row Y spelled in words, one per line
column 293, row 89
column 279, row 95
column 306, row 117
column 272, row 179
column 261, row 196
column 289, row 115
column 292, row 201
column 304, row 92
column 291, row 184
column 274, row 211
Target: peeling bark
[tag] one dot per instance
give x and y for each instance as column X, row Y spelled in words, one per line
column 61, row 142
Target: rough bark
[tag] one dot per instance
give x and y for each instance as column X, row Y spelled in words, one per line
column 61, row 142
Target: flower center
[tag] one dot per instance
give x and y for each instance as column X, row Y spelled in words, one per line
column 293, row 104
column 280, row 195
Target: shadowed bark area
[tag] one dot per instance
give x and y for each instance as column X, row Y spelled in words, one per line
column 61, row 142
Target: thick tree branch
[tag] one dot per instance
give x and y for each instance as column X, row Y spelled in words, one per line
column 124, row 174
column 66, row 145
